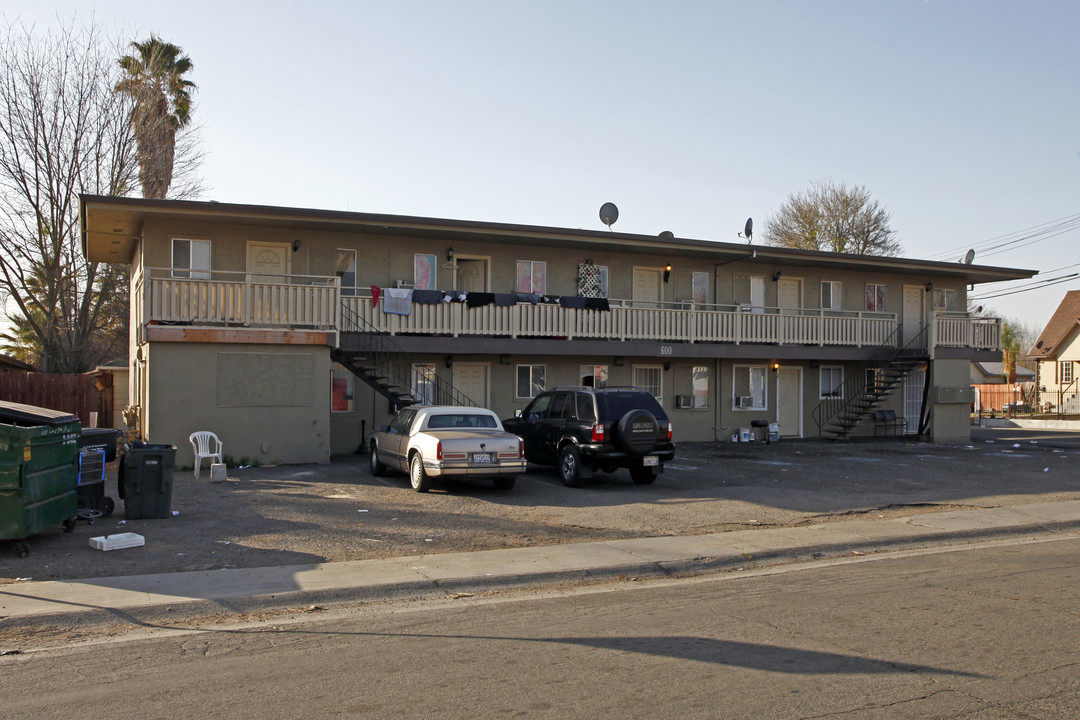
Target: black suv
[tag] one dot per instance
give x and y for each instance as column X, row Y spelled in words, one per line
column 582, row 429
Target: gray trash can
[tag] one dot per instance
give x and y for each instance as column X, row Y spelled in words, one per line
column 145, row 479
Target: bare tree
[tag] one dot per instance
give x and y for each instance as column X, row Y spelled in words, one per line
column 62, row 132
column 834, row 218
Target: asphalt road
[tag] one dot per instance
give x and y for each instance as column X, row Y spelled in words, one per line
column 989, row 632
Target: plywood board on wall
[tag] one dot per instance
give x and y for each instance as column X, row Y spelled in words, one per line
column 265, row 379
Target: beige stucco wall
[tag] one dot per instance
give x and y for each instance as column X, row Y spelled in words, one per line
column 950, row 422
column 281, row 421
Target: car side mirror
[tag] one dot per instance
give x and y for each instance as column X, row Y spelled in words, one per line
column 517, row 413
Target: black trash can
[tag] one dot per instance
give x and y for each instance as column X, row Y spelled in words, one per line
column 145, row 479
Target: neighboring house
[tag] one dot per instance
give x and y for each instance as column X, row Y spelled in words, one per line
column 9, row 364
column 1057, row 352
column 993, row 389
column 293, row 333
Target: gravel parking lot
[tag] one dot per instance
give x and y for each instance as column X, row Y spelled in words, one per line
column 316, row 513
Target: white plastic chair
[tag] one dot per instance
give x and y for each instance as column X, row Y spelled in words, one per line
column 205, row 444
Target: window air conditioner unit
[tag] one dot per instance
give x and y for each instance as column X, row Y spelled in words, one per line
column 684, row 401
column 404, row 285
column 745, row 401
column 746, row 307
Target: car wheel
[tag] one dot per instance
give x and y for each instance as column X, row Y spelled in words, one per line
column 377, row 468
column 637, row 432
column 570, row 466
column 505, row 483
column 642, row 475
column 418, row 477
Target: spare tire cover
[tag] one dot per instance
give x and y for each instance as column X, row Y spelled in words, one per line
column 637, row 432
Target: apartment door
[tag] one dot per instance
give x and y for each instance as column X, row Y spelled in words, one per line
column 789, row 405
column 757, row 293
column 913, row 395
column 472, row 274
column 913, row 312
column 789, row 294
column 268, row 262
column 646, row 287
column 471, row 380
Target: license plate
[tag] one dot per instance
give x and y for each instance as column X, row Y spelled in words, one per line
column 481, row 458
column 650, row 461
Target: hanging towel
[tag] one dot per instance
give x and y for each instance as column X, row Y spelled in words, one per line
column 505, row 299
column 528, row 297
column 570, row 301
column 453, row 296
column 597, row 304
column 375, row 295
column 398, row 301
column 427, row 297
column 476, row 299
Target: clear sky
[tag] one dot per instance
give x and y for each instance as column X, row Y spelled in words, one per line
column 962, row 117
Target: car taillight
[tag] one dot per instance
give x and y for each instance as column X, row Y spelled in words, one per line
column 597, row 433
column 438, row 451
column 669, row 430
column 521, row 448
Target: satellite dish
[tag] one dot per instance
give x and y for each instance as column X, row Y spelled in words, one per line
column 969, row 256
column 748, row 231
column 667, row 235
column 609, row 214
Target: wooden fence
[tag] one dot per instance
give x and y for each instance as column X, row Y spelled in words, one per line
column 75, row 394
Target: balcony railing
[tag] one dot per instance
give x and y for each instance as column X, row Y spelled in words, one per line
column 317, row 302
column 238, row 298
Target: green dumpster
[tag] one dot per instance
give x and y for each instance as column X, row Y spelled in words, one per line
column 39, row 468
column 146, row 479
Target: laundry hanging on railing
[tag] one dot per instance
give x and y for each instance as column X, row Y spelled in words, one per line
column 398, row 301
column 505, row 299
column 479, row 299
column 427, row 297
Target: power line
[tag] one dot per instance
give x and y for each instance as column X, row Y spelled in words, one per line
column 1035, row 233
column 1048, row 283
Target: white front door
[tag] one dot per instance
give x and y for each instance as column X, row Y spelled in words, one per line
column 789, row 406
column 471, row 274
column 757, row 293
column 268, row 262
column 913, row 312
column 646, row 287
column 913, row 394
column 471, row 380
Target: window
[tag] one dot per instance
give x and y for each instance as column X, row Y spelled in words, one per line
column 699, row 288
column 832, row 296
column 1065, row 373
column 424, row 272
column 345, row 266
column 750, row 290
column 531, row 277
column 531, row 380
column 875, row 297
column 748, row 388
column 341, row 390
column 832, row 382
column 594, row 375
column 191, row 258
column 699, row 379
column 946, row 300
column 423, row 383
column 401, row 422
column 650, row 379
column 585, row 411
column 592, row 280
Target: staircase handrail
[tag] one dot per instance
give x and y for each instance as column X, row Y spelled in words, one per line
column 854, row 390
column 385, row 359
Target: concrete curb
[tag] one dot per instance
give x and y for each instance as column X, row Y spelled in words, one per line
column 151, row 599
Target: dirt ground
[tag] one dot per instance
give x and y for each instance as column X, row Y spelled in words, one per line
column 304, row 514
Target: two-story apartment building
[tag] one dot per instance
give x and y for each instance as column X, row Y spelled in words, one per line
column 292, row 333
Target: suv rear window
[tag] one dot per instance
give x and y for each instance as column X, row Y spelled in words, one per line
column 614, row 405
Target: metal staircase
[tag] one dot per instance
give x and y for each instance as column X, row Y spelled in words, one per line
column 836, row 417
column 383, row 364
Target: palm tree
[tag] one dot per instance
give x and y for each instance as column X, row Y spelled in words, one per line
column 162, row 106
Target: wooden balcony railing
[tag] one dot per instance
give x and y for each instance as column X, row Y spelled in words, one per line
column 317, row 302
column 223, row 297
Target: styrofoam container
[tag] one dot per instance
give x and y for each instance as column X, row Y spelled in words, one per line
column 118, row 541
column 217, row 472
